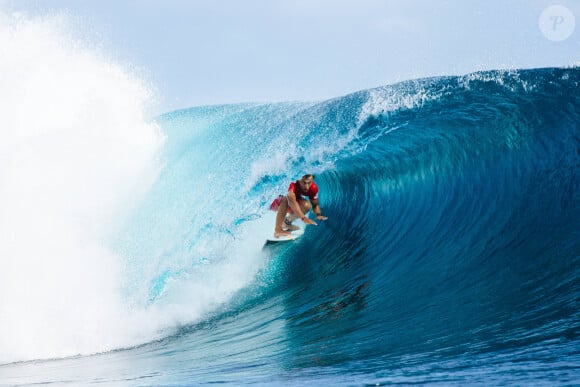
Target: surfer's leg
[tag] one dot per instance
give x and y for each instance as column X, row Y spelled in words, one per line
column 304, row 206
column 280, row 216
column 289, row 226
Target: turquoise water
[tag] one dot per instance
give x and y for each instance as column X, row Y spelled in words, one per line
column 451, row 254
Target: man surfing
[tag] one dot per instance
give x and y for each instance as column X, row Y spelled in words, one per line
column 296, row 206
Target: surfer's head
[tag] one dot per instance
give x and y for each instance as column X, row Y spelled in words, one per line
column 305, row 182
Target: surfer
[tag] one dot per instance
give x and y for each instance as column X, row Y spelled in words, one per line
column 296, row 206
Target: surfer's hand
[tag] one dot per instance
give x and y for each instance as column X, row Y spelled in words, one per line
column 309, row 221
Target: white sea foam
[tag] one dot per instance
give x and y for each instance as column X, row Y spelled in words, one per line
column 388, row 99
column 76, row 150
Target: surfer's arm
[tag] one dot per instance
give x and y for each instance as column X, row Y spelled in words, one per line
column 317, row 210
column 293, row 203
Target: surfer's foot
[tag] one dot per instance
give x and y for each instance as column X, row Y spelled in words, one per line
column 281, row 233
column 290, row 226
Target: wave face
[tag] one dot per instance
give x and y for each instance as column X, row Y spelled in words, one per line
column 451, row 253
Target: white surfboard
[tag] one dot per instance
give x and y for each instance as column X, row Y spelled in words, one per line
column 286, row 238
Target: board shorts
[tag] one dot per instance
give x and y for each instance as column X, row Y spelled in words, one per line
column 276, row 203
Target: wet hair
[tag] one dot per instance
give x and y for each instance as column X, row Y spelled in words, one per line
column 308, row 175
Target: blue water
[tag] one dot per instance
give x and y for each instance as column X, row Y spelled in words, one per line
column 451, row 254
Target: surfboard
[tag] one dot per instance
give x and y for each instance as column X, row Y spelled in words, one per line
column 286, row 238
